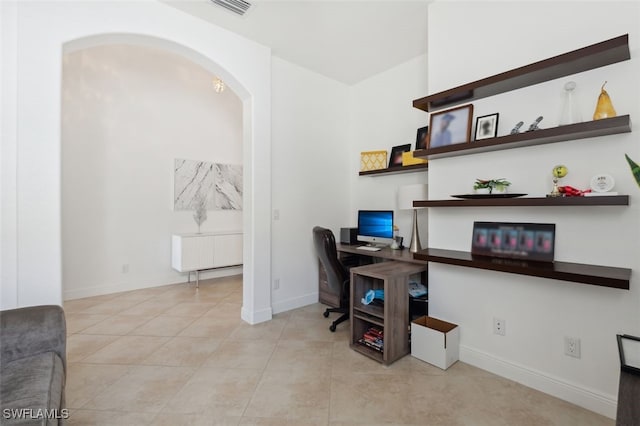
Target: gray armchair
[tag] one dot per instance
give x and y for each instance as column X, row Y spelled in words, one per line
column 32, row 365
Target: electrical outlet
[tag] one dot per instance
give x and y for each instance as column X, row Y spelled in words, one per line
column 276, row 214
column 276, row 283
column 572, row 346
column 499, row 327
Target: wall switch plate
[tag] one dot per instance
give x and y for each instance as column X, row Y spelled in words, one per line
column 276, row 283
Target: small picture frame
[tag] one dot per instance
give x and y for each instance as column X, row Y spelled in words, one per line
column 450, row 127
column 421, row 137
column 487, row 126
column 395, row 159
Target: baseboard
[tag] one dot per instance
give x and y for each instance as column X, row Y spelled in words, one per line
column 575, row 394
column 117, row 288
column 107, row 289
column 256, row 317
column 295, row 303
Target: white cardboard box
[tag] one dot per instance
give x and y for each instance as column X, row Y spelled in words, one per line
column 435, row 341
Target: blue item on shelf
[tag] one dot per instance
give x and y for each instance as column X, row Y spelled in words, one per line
column 417, row 289
column 372, row 294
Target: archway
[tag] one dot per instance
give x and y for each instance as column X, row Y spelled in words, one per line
column 128, row 113
column 245, row 65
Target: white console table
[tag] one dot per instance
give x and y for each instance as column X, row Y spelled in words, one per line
column 209, row 250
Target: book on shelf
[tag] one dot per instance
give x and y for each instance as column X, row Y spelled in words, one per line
column 373, row 338
column 371, row 345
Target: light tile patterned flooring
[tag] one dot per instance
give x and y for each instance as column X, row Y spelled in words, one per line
column 172, row 355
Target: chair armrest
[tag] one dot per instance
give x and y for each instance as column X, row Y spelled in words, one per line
column 31, row 331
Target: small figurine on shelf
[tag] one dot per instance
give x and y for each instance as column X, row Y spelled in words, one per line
column 516, row 129
column 534, row 125
column 558, row 172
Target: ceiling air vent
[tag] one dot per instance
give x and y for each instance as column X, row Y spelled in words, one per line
column 236, row 6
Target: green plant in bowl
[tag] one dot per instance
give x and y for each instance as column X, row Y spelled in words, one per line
column 500, row 185
column 491, row 185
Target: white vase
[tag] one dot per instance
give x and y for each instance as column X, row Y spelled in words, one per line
column 500, row 190
column 483, row 191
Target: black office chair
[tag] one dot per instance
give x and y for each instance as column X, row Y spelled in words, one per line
column 337, row 275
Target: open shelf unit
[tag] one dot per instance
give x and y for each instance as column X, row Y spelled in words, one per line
column 608, row 200
column 391, row 318
column 580, row 60
column 589, row 129
column 605, row 276
column 396, row 170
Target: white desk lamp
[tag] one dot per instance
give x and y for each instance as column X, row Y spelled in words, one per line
column 406, row 195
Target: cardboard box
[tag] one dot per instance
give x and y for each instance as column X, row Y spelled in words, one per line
column 435, row 341
column 373, row 160
column 408, row 159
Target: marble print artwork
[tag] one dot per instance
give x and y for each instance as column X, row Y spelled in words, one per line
column 192, row 178
column 228, row 187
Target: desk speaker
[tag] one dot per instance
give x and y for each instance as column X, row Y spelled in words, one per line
column 349, row 235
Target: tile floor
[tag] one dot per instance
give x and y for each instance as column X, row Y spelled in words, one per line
column 176, row 356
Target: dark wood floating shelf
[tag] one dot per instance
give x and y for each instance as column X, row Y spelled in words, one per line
column 584, row 59
column 608, row 200
column 589, row 129
column 396, row 170
column 604, row 276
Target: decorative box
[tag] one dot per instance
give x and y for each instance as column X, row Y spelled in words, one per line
column 373, row 160
column 408, row 159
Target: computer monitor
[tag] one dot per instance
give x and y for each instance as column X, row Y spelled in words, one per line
column 375, row 226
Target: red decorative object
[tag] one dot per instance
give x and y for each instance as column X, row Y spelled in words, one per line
column 570, row 191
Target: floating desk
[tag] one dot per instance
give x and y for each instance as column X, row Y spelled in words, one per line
column 403, row 255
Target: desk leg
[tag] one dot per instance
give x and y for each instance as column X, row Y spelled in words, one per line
column 188, row 277
column 197, row 279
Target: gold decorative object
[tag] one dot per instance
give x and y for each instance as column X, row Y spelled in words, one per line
column 604, row 107
column 373, row 160
column 558, row 172
column 408, row 159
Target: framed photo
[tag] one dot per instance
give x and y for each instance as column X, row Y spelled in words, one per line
column 530, row 241
column 395, row 160
column 487, row 126
column 421, row 137
column 450, row 127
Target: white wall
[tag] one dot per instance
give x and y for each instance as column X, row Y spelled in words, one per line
column 539, row 312
column 310, row 168
column 34, row 65
column 8, row 149
column 127, row 113
column 382, row 116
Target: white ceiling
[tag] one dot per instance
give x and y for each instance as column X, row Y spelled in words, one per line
column 347, row 41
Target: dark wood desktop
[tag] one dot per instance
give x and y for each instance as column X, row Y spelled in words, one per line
column 403, row 255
